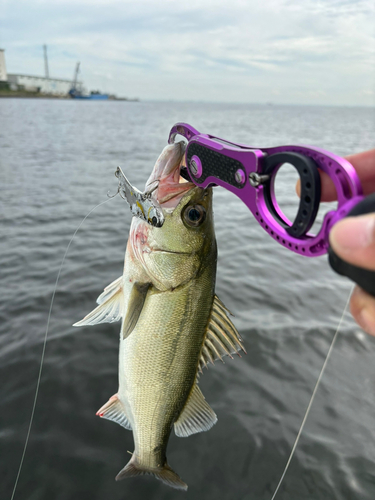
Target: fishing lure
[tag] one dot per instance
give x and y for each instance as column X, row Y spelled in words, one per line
column 142, row 205
column 250, row 174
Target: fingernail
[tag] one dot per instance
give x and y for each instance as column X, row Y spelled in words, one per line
column 354, row 232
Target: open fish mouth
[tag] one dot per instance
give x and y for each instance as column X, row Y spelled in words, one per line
column 162, row 250
column 171, row 185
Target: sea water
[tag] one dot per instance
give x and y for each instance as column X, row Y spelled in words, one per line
column 57, row 161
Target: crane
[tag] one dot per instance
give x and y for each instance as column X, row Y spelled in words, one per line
column 75, row 79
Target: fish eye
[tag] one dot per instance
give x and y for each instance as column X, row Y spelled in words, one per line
column 194, row 215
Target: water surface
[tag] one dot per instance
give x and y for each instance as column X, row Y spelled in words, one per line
column 57, row 161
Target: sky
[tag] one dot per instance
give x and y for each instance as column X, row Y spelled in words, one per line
column 315, row 52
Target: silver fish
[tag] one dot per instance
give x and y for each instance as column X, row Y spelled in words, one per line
column 173, row 324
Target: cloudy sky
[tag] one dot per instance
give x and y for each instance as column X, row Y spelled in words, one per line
column 257, row 51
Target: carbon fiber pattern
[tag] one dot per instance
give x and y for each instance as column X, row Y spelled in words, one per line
column 214, row 164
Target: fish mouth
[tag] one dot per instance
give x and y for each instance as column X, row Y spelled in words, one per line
column 184, row 174
column 172, row 186
column 162, row 250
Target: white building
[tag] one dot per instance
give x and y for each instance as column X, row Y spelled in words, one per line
column 3, row 69
column 52, row 86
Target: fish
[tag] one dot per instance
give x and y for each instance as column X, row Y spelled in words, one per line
column 173, row 324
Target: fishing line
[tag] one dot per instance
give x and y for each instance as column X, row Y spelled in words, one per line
column 313, row 396
column 45, row 342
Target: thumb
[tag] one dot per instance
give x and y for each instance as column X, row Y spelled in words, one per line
column 353, row 239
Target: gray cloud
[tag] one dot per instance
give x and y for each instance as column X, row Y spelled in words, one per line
column 316, row 51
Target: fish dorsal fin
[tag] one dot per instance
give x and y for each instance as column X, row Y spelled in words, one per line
column 114, row 410
column 136, row 300
column 222, row 337
column 110, row 308
column 196, row 416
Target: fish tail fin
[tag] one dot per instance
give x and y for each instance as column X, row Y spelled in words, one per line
column 164, row 474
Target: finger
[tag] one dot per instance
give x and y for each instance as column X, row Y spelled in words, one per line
column 362, row 307
column 328, row 190
column 353, row 239
column 364, row 164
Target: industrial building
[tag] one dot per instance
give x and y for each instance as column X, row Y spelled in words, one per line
column 44, row 85
column 53, row 86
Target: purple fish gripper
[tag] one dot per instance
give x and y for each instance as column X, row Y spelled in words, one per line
column 238, row 168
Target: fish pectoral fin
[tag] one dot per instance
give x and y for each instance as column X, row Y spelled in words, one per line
column 197, row 415
column 110, row 308
column 222, row 337
column 114, row 410
column 110, row 291
column 136, row 300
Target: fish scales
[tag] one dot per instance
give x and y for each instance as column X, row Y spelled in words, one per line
column 159, row 360
column 158, row 366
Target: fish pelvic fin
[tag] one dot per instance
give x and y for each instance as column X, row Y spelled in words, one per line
column 111, row 306
column 165, row 474
column 196, row 416
column 114, row 410
column 222, row 337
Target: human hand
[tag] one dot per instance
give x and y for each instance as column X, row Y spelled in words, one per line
column 353, row 238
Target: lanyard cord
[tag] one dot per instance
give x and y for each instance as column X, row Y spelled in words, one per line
column 44, row 346
column 312, row 396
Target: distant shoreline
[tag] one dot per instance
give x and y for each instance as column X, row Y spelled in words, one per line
column 21, row 94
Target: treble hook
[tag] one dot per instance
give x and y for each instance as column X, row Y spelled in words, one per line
column 118, row 189
column 112, row 196
column 147, row 194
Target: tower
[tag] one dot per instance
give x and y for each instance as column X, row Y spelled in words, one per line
column 45, row 61
column 3, row 68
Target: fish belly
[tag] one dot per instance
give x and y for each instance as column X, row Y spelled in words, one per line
column 158, row 364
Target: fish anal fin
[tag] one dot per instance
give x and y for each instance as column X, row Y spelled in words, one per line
column 114, row 410
column 136, row 300
column 222, row 337
column 110, row 308
column 165, row 474
column 196, row 416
